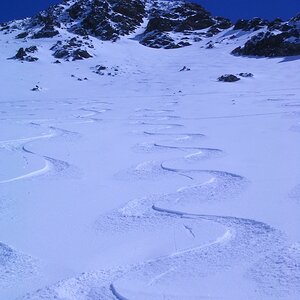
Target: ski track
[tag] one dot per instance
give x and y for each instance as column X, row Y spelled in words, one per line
column 15, row 267
column 261, row 251
column 50, row 164
column 244, row 243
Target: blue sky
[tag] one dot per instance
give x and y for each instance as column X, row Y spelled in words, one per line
column 268, row 9
column 232, row 9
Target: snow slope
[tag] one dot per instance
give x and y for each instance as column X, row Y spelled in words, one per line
column 151, row 184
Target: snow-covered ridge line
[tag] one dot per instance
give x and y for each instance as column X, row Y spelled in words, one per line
column 162, row 24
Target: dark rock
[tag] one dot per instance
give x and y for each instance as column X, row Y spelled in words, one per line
column 30, row 58
column 47, row 18
column 22, row 35
column 110, row 19
column 106, row 32
column 279, row 39
column 223, row 23
column 210, row 45
column 240, row 25
column 20, row 54
column 183, row 44
column 107, row 19
column 286, row 27
column 136, row 10
column 160, row 24
column 80, row 54
column 248, row 25
column 57, row 45
column 184, row 69
column 73, row 48
column 156, row 39
column 103, row 70
column 4, row 27
column 31, row 49
column 256, row 24
column 61, row 53
column 45, row 32
column 196, row 22
column 246, row 75
column 295, row 19
column 197, row 39
column 76, row 10
column 179, row 17
column 271, row 45
column 81, row 31
column 228, row 78
column 36, row 89
column 213, row 30
column 275, row 24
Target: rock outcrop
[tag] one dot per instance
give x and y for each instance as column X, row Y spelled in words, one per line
column 72, row 49
column 277, row 39
column 160, row 24
column 24, row 54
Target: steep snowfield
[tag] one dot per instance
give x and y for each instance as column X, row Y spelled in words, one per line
column 151, row 184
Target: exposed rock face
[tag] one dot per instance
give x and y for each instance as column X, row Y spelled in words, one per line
column 106, row 19
column 247, row 25
column 74, row 49
column 278, row 39
column 246, row 75
column 110, row 19
column 166, row 18
column 109, row 71
column 22, row 54
column 36, row 89
column 46, row 32
column 161, row 23
column 184, row 68
column 228, row 78
column 22, row 35
column 162, row 40
column 271, row 45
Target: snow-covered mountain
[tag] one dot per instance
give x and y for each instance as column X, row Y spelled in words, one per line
column 161, row 24
column 149, row 150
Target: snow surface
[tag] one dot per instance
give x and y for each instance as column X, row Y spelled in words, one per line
column 152, row 184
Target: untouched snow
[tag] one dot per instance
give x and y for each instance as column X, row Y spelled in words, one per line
column 152, row 184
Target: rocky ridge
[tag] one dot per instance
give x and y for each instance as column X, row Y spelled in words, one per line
column 160, row 24
column 277, row 39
